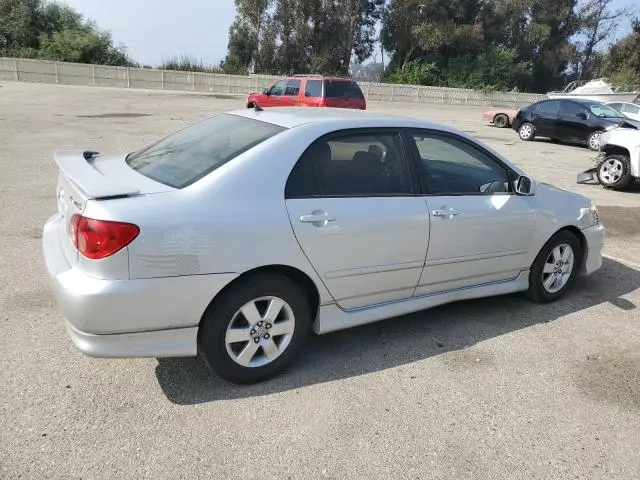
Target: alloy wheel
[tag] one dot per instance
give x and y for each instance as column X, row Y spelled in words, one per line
column 260, row 331
column 526, row 131
column 594, row 141
column 558, row 268
column 611, row 171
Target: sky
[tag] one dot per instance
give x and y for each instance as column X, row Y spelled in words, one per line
column 154, row 30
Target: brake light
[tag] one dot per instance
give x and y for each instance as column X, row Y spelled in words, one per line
column 96, row 239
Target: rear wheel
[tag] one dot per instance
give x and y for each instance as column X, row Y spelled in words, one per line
column 250, row 105
column 615, row 172
column 527, row 132
column 593, row 140
column 554, row 268
column 501, row 120
column 256, row 329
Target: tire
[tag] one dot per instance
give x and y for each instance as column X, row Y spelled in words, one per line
column 250, row 105
column 246, row 360
column 527, row 132
column 593, row 140
column 501, row 120
column 545, row 268
column 615, row 172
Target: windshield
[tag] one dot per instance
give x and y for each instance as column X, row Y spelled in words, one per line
column 189, row 154
column 604, row 111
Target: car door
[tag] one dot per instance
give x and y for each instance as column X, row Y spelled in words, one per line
column 480, row 231
column 546, row 119
column 291, row 91
column 312, row 93
column 352, row 210
column 276, row 92
column 573, row 122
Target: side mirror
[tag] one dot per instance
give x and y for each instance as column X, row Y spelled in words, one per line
column 266, row 91
column 525, row 186
column 581, row 115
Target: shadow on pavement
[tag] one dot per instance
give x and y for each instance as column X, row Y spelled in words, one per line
column 401, row 340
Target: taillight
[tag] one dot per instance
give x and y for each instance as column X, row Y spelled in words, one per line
column 97, row 239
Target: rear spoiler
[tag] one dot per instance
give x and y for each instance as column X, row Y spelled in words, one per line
column 74, row 164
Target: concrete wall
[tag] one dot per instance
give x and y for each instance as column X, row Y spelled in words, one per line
column 29, row 70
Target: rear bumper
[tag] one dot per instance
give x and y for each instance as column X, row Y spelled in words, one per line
column 128, row 318
column 177, row 342
column 595, row 244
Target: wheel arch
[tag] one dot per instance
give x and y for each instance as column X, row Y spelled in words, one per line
column 298, row 276
column 581, row 239
column 609, row 149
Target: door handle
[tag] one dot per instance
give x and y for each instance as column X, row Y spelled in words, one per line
column 445, row 212
column 317, row 218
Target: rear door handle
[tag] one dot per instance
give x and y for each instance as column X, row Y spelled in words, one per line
column 318, row 218
column 445, row 212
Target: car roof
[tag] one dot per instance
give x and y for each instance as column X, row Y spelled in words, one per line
column 290, row 117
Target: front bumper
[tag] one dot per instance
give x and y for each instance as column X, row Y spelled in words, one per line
column 595, row 243
column 156, row 317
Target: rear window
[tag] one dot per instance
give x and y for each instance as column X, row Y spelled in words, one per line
column 341, row 89
column 187, row 155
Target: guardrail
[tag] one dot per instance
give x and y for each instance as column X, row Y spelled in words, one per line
column 45, row 71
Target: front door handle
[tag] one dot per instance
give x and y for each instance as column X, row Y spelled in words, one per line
column 445, row 212
column 318, row 218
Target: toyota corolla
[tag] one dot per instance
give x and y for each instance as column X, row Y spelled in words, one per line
column 238, row 235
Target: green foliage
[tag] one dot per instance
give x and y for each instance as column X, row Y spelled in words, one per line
column 188, row 64
column 416, row 73
column 52, row 31
column 624, row 59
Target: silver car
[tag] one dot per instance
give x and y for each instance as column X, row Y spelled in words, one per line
column 236, row 236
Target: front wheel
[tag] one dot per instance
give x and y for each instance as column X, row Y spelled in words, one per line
column 593, row 140
column 614, row 172
column 554, row 268
column 256, row 329
column 527, row 132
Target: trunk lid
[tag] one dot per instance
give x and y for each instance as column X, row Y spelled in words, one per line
column 87, row 176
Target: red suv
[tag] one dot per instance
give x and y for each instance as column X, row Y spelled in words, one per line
column 310, row 91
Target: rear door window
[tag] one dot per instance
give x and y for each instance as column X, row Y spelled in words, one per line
column 341, row 89
column 313, row 88
column 548, row 108
column 187, row 155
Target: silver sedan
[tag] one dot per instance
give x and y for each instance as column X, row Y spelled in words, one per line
column 236, row 236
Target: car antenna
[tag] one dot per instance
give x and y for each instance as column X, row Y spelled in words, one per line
column 257, row 108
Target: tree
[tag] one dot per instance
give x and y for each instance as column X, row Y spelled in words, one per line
column 598, row 22
column 52, row 31
column 624, row 59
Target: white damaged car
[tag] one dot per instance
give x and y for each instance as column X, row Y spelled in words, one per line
column 618, row 162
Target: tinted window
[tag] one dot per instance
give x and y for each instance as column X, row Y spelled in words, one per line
column 359, row 164
column 303, row 182
column 548, row 108
column 617, row 106
column 604, row 111
column 313, row 88
column 571, row 109
column 278, row 88
column 629, row 108
column 341, row 89
column 293, row 87
column 453, row 167
column 189, row 154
